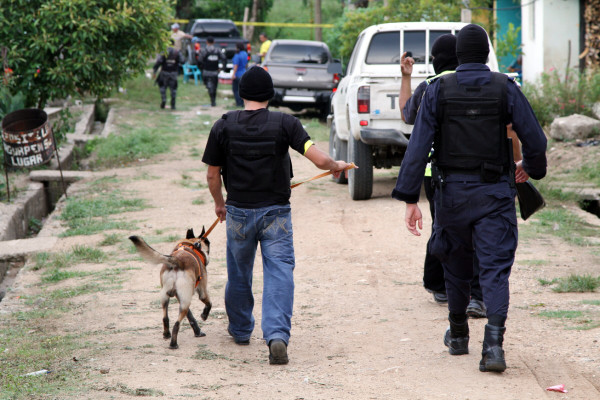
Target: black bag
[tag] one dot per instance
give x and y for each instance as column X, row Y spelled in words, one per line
column 530, row 200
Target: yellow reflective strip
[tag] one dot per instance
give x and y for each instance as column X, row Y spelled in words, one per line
column 307, row 145
column 428, row 170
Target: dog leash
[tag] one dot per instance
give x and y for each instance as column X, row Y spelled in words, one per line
column 324, row 174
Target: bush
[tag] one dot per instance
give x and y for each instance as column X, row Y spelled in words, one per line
column 555, row 97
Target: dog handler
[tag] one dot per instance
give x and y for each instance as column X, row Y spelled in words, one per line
column 465, row 115
column 249, row 149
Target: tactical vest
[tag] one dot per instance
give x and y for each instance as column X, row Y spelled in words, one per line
column 170, row 62
column 210, row 59
column 472, row 134
column 258, row 166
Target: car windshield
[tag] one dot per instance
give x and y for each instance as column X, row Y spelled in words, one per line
column 215, row 29
column 299, row 54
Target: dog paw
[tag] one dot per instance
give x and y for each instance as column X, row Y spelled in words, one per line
column 166, row 335
column 173, row 346
column 200, row 334
column 204, row 316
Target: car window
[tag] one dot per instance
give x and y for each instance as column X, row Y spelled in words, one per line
column 354, row 57
column 215, row 29
column 384, row 48
column 433, row 35
column 414, row 41
column 299, row 54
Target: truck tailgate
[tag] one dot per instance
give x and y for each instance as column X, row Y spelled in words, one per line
column 384, row 99
column 300, row 76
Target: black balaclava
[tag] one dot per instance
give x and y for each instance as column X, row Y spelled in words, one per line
column 444, row 53
column 472, row 45
column 256, row 84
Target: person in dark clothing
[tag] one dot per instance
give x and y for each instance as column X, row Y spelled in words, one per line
column 465, row 115
column 167, row 78
column 249, row 150
column 210, row 61
column 443, row 52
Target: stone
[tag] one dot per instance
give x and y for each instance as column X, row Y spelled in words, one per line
column 574, row 127
column 596, row 110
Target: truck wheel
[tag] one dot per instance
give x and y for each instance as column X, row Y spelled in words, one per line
column 360, row 180
column 338, row 150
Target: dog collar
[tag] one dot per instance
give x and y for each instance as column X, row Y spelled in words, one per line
column 199, row 253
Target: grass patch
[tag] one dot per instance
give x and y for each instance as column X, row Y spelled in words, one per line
column 561, row 314
column 110, row 240
column 561, row 222
column 204, row 354
column 534, row 262
column 78, row 254
column 119, row 150
column 56, row 275
column 591, row 302
column 198, row 201
column 187, row 181
column 87, row 215
column 574, row 319
column 573, row 283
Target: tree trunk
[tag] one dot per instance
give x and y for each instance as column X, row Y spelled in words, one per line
column 591, row 53
column 318, row 29
column 253, row 18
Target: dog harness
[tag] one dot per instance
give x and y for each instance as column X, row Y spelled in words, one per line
column 198, row 255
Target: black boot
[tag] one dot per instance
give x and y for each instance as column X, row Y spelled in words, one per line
column 492, row 355
column 162, row 104
column 457, row 337
column 172, row 104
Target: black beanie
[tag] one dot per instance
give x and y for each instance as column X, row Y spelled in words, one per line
column 256, row 85
column 472, row 45
column 444, row 53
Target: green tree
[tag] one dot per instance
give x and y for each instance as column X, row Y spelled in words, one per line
column 343, row 36
column 233, row 9
column 58, row 48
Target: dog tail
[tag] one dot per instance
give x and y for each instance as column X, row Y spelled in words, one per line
column 151, row 255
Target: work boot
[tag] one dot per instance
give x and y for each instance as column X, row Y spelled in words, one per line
column 278, row 352
column 476, row 309
column 492, row 355
column 457, row 337
column 162, row 104
column 172, row 104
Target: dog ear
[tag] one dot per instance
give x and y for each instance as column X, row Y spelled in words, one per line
column 203, row 231
column 189, row 234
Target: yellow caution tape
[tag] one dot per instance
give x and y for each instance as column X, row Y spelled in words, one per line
column 283, row 24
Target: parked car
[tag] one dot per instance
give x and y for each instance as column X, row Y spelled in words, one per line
column 224, row 32
column 365, row 125
column 304, row 74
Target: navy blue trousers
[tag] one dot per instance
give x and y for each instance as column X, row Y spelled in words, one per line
column 433, row 272
column 475, row 218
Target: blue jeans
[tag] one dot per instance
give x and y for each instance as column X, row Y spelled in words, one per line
column 272, row 227
column 235, row 86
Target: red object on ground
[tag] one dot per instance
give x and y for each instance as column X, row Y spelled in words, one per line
column 557, row 388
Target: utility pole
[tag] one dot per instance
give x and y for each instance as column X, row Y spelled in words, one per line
column 318, row 29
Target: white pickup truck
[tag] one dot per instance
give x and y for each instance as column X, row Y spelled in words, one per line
column 366, row 125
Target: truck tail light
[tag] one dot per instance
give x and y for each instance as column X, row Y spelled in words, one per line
column 363, row 100
column 336, row 78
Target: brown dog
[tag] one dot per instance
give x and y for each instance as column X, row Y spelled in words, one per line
column 182, row 273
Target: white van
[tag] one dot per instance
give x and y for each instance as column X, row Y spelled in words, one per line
column 366, row 126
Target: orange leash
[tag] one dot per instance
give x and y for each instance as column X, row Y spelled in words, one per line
column 324, row 174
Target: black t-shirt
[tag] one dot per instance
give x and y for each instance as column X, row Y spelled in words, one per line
column 215, row 153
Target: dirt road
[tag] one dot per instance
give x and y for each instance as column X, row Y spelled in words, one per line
column 363, row 326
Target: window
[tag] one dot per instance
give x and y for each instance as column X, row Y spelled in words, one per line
column 299, row 54
column 414, row 41
column 354, row 57
column 216, row 30
column 384, row 48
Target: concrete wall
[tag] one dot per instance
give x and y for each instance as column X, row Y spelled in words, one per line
column 547, row 28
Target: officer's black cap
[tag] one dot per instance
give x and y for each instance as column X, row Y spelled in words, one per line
column 256, row 85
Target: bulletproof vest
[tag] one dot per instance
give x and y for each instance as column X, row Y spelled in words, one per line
column 170, row 62
column 210, row 61
column 472, row 133
column 258, row 165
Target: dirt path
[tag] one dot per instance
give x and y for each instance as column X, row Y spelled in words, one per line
column 363, row 326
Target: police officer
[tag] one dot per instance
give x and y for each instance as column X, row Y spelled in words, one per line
column 167, row 78
column 443, row 52
column 210, row 61
column 465, row 115
column 249, row 149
